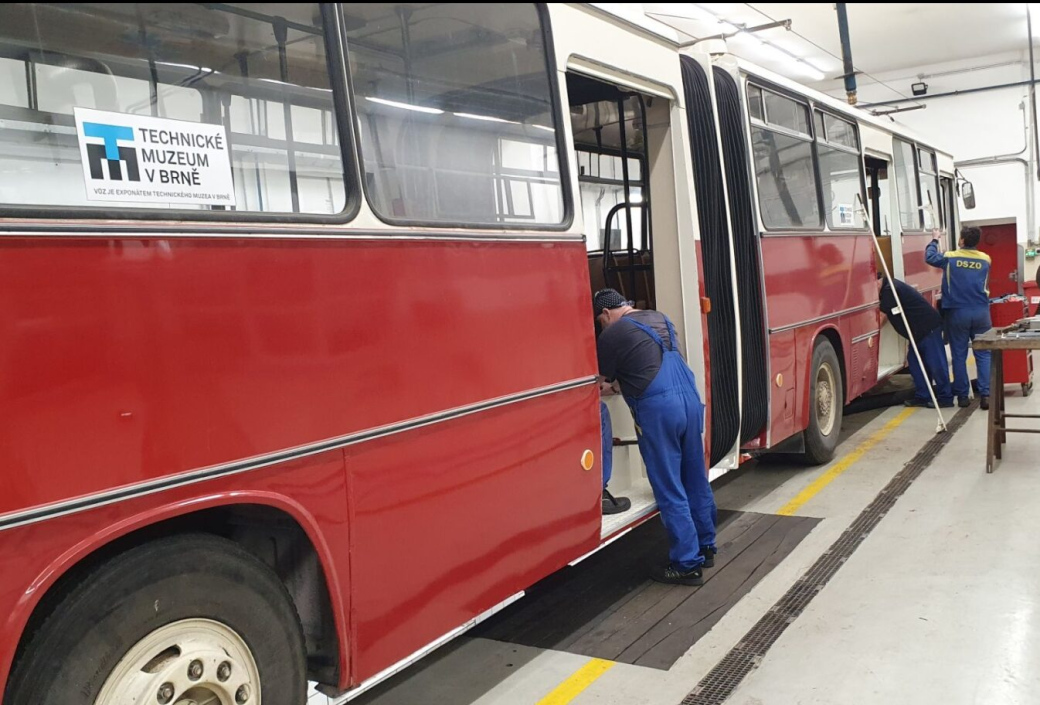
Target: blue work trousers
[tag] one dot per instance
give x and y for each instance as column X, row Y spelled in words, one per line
column 963, row 324
column 936, row 368
column 669, row 420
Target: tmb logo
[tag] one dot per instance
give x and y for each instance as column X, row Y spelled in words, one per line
column 110, row 152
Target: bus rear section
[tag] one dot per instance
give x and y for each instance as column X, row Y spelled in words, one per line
column 800, row 260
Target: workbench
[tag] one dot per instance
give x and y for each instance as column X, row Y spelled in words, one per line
column 999, row 340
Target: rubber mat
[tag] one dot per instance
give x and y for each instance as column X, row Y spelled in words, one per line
column 606, row 607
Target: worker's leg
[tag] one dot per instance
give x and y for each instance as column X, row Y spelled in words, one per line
column 695, row 475
column 921, row 395
column 607, row 435
column 980, row 323
column 937, row 365
column 959, row 337
column 660, row 424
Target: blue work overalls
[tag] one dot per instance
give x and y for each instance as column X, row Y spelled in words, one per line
column 669, row 417
column 607, row 435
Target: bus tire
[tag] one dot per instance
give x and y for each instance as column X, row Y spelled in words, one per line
column 826, row 404
column 187, row 618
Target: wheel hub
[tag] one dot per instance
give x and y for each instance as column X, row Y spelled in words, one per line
column 825, row 411
column 190, row 662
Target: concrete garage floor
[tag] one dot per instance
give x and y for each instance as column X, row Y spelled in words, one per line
column 937, row 605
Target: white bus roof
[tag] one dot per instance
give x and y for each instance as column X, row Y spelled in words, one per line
column 648, row 28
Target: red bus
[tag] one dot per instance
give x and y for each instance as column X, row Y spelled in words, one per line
column 295, row 318
column 804, row 197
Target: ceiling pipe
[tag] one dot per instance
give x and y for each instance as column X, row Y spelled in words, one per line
column 1032, row 93
column 741, row 29
column 846, row 54
column 949, row 94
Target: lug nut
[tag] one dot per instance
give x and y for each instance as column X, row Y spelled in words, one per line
column 242, row 695
column 165, row 694
column 223, row 671
column 195, row 670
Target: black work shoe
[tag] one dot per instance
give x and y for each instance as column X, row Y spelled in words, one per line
column 984, row 403
column 915, row 402
column 963, row 402
column 615, row 505
column 708, row 553
column 675, row 576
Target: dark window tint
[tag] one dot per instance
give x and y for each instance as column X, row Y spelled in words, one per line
column 196, row 106
column 786, row 180
column 454, row 106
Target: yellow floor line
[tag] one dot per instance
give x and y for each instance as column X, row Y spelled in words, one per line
column 844, row 464
column 573, row 686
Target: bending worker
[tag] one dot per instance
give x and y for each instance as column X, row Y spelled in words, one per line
column 926, row 325
column 639, row 350
column 966, row 303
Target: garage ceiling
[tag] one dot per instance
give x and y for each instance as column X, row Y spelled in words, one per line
column 885, row 37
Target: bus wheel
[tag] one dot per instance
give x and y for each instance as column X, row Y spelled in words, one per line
column 826, row 404
column 187, row 619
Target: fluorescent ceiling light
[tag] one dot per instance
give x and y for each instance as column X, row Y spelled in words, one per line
column 543, row 127
column 486, row 118
column 405, row 106
column 749, row 38
column 811, row 71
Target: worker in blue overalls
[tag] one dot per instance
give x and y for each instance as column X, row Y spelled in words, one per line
column 639, row 350
column 966, row 305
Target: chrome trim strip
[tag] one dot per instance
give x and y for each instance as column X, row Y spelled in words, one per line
column 819, row 319
column 82, row 232
column 865, row 336
column 79, row 504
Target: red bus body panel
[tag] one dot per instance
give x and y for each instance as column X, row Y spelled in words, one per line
column 917, row 272
column 128, row 360
column 814, row 283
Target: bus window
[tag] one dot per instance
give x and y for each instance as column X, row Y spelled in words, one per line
column 930, row 197
column 455, row 113
column 256, row 85
column 840, row 173
column 784, row 165
column 906, row 186
column 602, row 184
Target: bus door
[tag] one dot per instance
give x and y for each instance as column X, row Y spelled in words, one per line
column 892, row 355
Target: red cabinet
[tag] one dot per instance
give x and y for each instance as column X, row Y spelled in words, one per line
column 1007, row 295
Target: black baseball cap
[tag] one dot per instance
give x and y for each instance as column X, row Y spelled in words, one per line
column 606, row 299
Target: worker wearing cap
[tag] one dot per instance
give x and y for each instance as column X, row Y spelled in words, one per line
column 966, row 303
column 926, row 325
column 639, row 350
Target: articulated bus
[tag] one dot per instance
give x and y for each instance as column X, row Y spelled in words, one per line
column 298, row 356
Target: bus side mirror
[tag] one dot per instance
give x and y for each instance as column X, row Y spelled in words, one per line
column 968, row 194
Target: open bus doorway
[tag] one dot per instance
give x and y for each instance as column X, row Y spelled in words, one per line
column 614, row 166
column 892, row 355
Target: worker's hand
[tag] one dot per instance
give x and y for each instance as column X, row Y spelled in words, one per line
column 607, row 389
